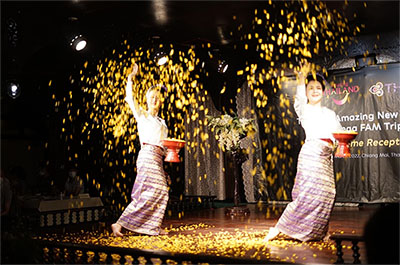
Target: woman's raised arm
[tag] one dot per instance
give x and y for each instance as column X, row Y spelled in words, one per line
column 301, row 99
column 129, row 98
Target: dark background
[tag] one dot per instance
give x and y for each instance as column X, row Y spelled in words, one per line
column 34, row 50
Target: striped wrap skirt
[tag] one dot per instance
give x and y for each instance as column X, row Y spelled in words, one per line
column 307, row 216
column 149, row 195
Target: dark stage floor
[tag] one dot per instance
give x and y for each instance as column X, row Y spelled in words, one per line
column 213, row 233
column 247, row 233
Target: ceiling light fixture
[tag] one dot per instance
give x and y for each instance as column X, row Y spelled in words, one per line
column 78, row 43
column 222, row 67
column 161, row 58
column 160, row 11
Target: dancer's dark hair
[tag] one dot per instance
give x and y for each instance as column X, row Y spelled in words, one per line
column 316, row 77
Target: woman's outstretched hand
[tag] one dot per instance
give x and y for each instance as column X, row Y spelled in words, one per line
column 134, row 71
column 130, row 89
column 304, row 69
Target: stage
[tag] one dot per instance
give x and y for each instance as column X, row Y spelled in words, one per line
column 211, row 236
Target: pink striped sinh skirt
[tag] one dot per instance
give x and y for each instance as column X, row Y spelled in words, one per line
column 307, row 216
column 146, row 211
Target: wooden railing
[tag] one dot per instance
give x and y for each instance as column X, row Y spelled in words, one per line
column 68, row 253
column 36, row 219
column 338, row 238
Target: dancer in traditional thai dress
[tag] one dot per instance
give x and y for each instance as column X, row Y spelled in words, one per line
column 149, row 196
column 307, row 216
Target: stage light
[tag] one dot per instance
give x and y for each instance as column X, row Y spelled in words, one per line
column 222, row 67
column 158, row 50
column 160, row 11
column 78, row 43
column 13, row 89
column 160, row 57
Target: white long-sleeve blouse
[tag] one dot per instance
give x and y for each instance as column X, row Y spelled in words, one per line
column 317, row 121
column 152, row 129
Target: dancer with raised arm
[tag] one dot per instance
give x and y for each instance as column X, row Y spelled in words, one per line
column 307, row 216
column 149, row 196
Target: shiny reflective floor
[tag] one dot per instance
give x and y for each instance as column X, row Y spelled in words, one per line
column 212, row 233
column 254, row 226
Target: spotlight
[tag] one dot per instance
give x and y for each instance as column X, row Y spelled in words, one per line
column 222, row 67
column 160, row 11
column 13, row 89
column 161, row 58
column 78, row 43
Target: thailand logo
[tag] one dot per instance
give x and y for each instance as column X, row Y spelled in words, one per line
column 341, row 91
column 340, row 102
column 377, row 89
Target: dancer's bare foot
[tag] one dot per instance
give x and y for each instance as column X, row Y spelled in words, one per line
column 163, row 232
column 272, row 233
column 116, row 228
column 326, row 237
